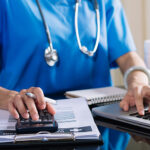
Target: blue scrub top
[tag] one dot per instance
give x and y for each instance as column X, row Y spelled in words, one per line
column 23, row 41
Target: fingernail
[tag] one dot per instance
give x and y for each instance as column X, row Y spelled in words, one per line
column 125, row 107
column 42, row 106
column 142, row 112
column 17, row 116
column 36, row 117
column 26, row 115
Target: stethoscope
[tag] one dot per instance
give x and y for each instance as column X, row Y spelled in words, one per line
column 51, row 55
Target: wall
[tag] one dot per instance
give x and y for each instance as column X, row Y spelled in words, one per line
column 147, row 18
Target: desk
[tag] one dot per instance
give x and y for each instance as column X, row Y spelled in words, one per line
column 86, row 146
column 56, row 147
column 88, row 139
column 141, row 135
column 67, row 147
column 123, row 127
column 108, row 126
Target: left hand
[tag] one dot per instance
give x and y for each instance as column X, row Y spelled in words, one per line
column 137, row 95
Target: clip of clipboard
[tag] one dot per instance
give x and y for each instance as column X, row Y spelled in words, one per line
column 43, row 137
column 47, row 138
column 38, row 137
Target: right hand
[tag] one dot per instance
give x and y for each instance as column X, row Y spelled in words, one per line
column 20, row 103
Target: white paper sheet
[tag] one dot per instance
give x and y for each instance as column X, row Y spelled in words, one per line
column 72, row 115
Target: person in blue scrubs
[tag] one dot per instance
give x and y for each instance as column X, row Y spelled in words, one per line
column 23, row 68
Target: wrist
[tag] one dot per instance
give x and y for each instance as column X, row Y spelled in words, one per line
column 5, row 96
column 134, row 84
column 136, row 76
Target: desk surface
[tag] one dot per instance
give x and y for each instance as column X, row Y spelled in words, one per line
column 56, row 147
column 100, row 122
column 123, row 127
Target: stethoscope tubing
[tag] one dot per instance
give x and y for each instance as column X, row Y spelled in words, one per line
column 51, row 55
column 83, row 48
column 45, row 26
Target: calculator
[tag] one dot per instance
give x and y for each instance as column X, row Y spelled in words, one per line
column 46, row 122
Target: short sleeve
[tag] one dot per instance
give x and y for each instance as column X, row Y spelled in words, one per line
column 0, row 22
column 119, row 36
column 1, row 16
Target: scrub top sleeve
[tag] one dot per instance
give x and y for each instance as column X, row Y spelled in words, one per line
column 119, row 36
column 1, row 16
column 0, row 23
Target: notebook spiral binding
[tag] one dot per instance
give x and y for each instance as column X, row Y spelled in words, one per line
column 106, row 99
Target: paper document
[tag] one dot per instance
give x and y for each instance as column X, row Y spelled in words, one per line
column 73, row 116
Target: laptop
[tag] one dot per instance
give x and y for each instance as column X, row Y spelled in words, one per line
column 114, row 113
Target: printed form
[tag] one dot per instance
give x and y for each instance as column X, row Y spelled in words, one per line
column 73, row 116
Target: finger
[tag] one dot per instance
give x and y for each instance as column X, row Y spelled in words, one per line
column 132, row 101
column 146, row 95
column 139, row 100
column 124, row 104
column 147, row 102
column 31, row 107
column 13, row 110
column 39, row 97
column 18, row 102
column 22, row 92
column 50, row 108
column 146, row 91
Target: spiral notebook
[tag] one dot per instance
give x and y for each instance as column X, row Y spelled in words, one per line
column 99, row 95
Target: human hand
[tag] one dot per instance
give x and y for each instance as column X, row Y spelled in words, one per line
column 136, row 96
column 21, row 103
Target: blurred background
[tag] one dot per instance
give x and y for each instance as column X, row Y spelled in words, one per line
column 138, row 15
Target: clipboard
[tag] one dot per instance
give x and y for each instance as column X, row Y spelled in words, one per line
column 40, row 139
column 73, row 128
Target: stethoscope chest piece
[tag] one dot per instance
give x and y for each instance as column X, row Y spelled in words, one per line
column 51, row 56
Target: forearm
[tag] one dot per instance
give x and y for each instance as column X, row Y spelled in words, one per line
column 5, row 95
column 137, row 77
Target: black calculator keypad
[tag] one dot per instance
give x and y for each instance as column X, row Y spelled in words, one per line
column 46, row 122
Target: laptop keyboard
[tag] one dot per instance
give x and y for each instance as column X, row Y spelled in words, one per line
column 146, row 116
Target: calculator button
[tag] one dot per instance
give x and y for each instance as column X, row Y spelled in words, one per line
column 45, row 122
column 36, row 121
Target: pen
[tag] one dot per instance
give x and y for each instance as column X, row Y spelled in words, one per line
column 49, row 100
